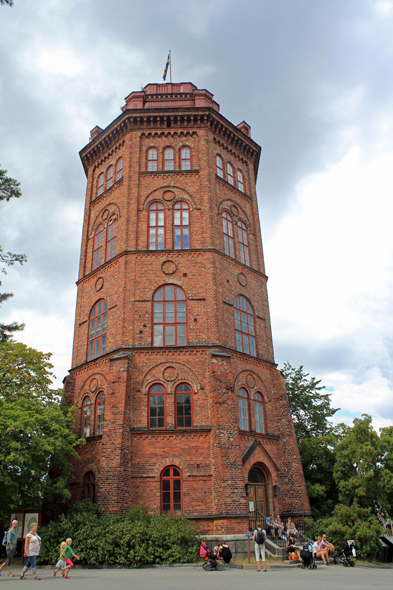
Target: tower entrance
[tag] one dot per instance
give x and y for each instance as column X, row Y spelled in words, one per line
column 258, row 492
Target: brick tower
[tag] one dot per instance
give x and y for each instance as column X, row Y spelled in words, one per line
column 173, row 373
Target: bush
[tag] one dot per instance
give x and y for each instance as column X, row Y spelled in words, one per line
column 133, row 539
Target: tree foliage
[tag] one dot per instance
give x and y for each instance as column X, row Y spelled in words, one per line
column 35, row 430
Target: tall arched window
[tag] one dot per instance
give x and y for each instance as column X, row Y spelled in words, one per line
column 97, row 329
column 185, row 158
column 169, row 317
column 181, row 226
column 90, row 486
column 171, row 491
column 152, row 160
column 244, row 326
column 100, row 413
column 169, row 159
column 100, row 184
column 230, row 174
column 109, row 177
column 157, row 414
column 244, row 414
column 97, row 246
column 227, row 227
column 259, row 413
column 111, row 238
column 156, row 226
column 86, row 417
column 243, row 243
column 119, row 169
column 183, row 406
column 240, row 183
column 219, row 167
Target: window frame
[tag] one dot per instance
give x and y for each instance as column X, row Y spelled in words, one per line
column 230, row 178
column 100, row 399
column 164, row 323
column 182, row 159
column 157, row 206
column 103, row 322
column 150, row 394
column 87, row 403
column 246, row 407
column 229, row 240
column 109, row 178
column 100, row 248
column 119, row 161
column 219, row 169
column 240, row 330
column 150, row 167
column 240, row 181
column 111, row 241
column 100, row 185
column 259, row 402
column 171, row 478
column 177, row 392
column 90, row 487
column 165, row 159
column 244, row 249
column 177, row 207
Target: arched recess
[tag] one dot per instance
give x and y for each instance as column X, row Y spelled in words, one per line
column 180, row 194
column 257, row 483
column 112, row 208
column 232, row 207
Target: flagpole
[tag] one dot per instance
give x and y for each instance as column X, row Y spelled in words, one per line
column 170, row 66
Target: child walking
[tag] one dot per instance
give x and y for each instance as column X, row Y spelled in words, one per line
column 61, row 564
column 67, row 553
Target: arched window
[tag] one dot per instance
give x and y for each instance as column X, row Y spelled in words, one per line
column 119, row 169
column 111, row 238
column 109, row 177
column 243, row 243
column 152, row 160
column 259, row 413
column 157, row 413
column 171, row 491
column 181, row 226
column 227, row 227
column 244, row 326
column 100, row 184
column 97, row 329
column 169, row 317
column 86, row 417
column 219, row 167
column 90, row 486
column 169, row 159
column 230, row 174
column 100, row 413
column 240, row 183
column 185, row 158
column 244, row 414
column 156, row 226
column 183, row 406
column 97, row 246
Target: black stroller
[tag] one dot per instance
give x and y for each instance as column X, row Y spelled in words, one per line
column 211, row 562
column 307, row 556
column 348, row 549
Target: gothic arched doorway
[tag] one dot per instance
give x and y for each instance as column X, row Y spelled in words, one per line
column 257, row 491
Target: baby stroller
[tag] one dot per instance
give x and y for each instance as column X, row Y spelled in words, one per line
column 211, row 562
column 307, row 556
column 348, row 548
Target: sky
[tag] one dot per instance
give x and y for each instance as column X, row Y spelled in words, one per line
column 312, row 78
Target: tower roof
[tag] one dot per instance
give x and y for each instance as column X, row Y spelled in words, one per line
column 161, row 96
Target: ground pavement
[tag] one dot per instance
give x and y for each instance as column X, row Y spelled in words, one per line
column 195, row 578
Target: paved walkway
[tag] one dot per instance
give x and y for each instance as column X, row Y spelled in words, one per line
column 192, row 578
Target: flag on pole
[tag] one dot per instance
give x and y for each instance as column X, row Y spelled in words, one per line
column 168, row 61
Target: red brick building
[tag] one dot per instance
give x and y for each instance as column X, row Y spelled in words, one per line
column 173, row 373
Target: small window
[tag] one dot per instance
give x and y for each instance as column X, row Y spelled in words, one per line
column 243, row 243
column 90, row 486
column 171, row 491
column 100, row 184
column 169, row 317
column 119, row 169
column 219, row 167
column 156, row 226
column 157, row 407
column 244, row 415
column 152, row 160
column 259, row 413
column 100, row 414
column 183, row 406
column 169, row 159
column 97, row 329
column 181, row 226
column 227, row 226
column 185, row 158
column 111, row 238
column 230, row 174
column 240, row 183
column 109, row 177
column 97, row 246
column 86, row 417
column 244, row 326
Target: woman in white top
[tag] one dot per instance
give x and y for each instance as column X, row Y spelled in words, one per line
column 319, row 552
column 32, row 549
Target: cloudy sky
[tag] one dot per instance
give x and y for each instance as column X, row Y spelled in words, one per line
column 314, row 80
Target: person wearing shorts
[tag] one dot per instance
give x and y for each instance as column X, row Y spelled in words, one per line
column 12, row 539
column 259, row 549
column 32, row 549
column 67, row 554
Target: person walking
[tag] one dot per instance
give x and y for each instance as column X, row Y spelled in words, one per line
column 68, row 553
column 61, row 564
column 259, row 538
column 32, row 549
column 12, row 539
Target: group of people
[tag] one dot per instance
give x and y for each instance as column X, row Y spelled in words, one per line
column 274, row 526
column 321, row 549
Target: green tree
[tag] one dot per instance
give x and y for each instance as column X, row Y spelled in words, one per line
column 36, row 437
column 8, row 2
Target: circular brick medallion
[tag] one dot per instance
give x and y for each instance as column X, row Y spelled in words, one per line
column 250, row 380
column 93, row 385
column 105, row 214
column 99, row 283
column 234, row 210
column 170, row 374
column 168, row 267
column 242, row 279
column 168, row 195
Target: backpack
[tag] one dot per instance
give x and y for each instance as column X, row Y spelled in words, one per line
column 4, row 542
column 260, row 537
